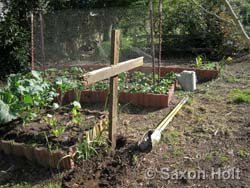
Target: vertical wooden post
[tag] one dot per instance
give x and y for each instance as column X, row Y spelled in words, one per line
column 113, row 98
column 32, row 42
column 160, row 37
column 151, row 9
column 42, row 42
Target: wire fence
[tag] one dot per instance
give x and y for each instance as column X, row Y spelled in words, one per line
column 83, row 36
column 76, row 37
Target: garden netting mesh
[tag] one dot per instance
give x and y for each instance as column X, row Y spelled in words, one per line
column 76, row 37
column 84, row 36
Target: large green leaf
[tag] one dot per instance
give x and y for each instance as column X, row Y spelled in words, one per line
column 36, row 75
column 5, row 114
column 27, row 99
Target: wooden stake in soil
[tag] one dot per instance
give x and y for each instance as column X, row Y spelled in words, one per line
column 152, row 37
column 113, row 99
column 160, row 37
column 42, row 42
column 32, row 42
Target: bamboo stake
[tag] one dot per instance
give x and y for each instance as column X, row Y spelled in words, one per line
column 160, row 37
column 152, row 37
column 170, row 116
column 42, row 42
column 156, row 135
column 32, row 42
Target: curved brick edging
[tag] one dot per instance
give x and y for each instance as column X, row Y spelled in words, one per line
column 137, row 99
column 45, row 158
column 40, row 155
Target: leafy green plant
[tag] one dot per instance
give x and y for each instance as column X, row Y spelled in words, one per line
column 140, row 82
column 102, row 85
column 164, row 84
column 201, row 64
column 52, row 121
column 5, row 114
column 198, row 61
column 63, row 84
column 86, row 149
column 76, row 115
column 208, row 66
column 14, row 46
column 56, row 129
column 123, row 81
column 25, row 94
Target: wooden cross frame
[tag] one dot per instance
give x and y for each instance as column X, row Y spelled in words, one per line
column 112, row 72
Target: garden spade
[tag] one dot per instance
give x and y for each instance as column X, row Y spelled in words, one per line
column 152, row 137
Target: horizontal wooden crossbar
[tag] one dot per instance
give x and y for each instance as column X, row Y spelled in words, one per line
column 110, row 71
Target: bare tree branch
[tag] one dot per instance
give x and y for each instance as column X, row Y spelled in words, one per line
column 237, row 21
column 211, row 13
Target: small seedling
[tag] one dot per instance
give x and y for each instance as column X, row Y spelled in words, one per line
column 229, row 59
column 52, row 121
column 208, row 157
column 243, row 153
column 198, row 61
column 76, row 115
column 134, row 159
column 86, row 149
column 47, row 141
column 224, row 159
column 56, row 129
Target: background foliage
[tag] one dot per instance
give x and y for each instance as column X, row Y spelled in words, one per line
column 187, row 28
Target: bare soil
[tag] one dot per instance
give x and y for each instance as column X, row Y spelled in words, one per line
column 41, row 133
column 210, row 133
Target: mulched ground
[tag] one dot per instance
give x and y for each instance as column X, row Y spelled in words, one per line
column 210, row 133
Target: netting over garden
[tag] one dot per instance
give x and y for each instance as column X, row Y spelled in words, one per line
column 73, row 37
column 84, row 36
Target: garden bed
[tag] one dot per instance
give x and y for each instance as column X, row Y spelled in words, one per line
column 136, row 88
column 203, row 75
column 52, row 137
column 137, row 99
